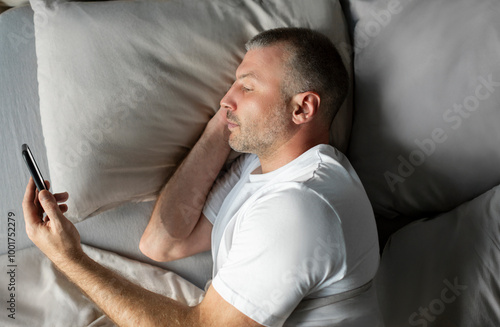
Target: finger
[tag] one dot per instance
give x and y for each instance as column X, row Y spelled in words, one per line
column 47, row 184
column 50, row 206
column 29, row 194
column 30, row 210
column 37, row 204
column 61, row 197
column 63, row 208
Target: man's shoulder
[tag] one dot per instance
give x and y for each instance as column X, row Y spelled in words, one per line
column 294, row 201
column 333, row 175
column 329, row 158
column 324, row 158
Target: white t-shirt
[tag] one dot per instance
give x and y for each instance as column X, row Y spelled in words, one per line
column 305, row 230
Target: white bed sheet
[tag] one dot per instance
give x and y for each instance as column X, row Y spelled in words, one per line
column 117, row 230
column 42, row 288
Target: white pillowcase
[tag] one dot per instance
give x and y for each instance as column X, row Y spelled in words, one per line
column 126, row 88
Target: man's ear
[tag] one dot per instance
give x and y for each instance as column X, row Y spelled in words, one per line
column 305, row 107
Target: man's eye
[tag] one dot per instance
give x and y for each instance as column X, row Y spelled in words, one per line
column 246, row 89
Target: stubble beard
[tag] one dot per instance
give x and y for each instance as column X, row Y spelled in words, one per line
column 261, row 137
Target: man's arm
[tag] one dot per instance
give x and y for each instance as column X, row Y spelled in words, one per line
column 177, row 227
column 125, row 303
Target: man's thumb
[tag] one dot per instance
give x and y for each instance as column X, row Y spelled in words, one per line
column 49, row 204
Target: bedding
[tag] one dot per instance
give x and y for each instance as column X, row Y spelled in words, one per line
column 117, row 230
column 443, row 270
column 427, row 98
column 45, row 297
column 123, row 96
column 424, row 141
column 414, row 60
column 19, row 114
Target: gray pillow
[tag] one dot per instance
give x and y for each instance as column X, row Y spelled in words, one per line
column 126, row 88
column 444, row 271
column 427, row 96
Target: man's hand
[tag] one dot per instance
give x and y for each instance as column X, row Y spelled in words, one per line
column 218, row 124
column 127, row 304
column 53, row 234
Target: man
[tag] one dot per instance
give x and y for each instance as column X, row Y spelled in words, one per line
column 290, row 227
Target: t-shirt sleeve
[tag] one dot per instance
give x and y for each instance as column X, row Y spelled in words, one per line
column 222, row 186
column 285, row 246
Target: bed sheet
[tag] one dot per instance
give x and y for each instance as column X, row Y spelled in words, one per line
column 118, row 230
column 41, row 289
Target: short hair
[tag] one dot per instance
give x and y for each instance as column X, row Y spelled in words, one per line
column 314, row 64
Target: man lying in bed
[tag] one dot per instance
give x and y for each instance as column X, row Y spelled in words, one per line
column 290, row 227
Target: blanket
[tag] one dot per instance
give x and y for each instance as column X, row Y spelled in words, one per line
column 34, row 293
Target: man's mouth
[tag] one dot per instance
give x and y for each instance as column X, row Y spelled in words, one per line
column 230, row 124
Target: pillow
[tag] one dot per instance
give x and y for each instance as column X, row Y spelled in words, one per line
column 444, row 271
column 427, row 96
column 126, row 88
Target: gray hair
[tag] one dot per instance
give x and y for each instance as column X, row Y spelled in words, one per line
column 313, row 64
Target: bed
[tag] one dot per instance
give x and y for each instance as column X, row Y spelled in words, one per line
column 111, row 95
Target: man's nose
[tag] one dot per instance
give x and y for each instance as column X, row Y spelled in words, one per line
column 229, row 101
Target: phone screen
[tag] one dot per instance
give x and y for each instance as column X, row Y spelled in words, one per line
column 33, row 168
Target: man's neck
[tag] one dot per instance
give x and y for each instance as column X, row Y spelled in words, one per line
column 288, row 151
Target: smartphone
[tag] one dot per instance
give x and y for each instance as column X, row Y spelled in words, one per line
column 33, row 168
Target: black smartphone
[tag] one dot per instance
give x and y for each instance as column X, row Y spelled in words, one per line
column 33, row 168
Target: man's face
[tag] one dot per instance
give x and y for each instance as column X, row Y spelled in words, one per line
column 257, row 114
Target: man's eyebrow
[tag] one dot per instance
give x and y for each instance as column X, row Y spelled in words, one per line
column 250, row 74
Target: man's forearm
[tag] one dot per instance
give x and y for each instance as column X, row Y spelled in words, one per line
column 181, row 201
column 127, row 304
column 178, row 209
